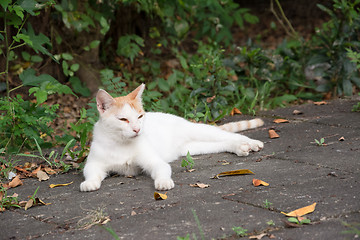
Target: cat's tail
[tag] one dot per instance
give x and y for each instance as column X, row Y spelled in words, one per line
column 242, row 125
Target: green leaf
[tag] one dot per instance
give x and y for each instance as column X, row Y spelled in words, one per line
column 74, row 67
column 94, row 44
column 41, row 96
column 5, row 4
column 67, row 56
column 37, row 41
column 181, row 27
column 163, row 85
column 78, row 87
column 18, row 10
column 293, row 220
column 29, row 6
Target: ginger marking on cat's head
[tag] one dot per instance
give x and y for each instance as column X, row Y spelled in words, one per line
column 123, row 114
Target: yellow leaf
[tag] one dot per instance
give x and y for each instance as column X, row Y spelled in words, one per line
column 160, row 196
column 280, row 120
column 258, row 182
column 301, row 211
column 234, row 172
column 59, row 185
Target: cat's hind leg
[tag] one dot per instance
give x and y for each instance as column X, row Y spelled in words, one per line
column 196, row 148
column 201, row 135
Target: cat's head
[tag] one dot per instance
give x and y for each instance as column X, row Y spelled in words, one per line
column 124, row 115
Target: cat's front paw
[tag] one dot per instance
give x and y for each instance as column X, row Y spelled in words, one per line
column 90, row 185
column 164, row 184
column 256, row 145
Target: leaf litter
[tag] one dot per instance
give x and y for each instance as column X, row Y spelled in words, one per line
column 160, row 196
column 233, row 173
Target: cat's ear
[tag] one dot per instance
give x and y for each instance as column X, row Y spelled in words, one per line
column 103, row 101
column 137, row 93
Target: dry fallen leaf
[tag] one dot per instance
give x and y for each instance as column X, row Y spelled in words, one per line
column 260, row 236
column 59, row 185
column 16, row 181
column 321, row 103
column 160, row 196
column 200, row 185
column 280, row 120
column 234, row 172
column 273, row 134
column 297, row 112
column 341, row 139
column 258, row 182
column 235, row 111
column 30, row 203
column 42, row 176
column 50, row 171
column 301, row 211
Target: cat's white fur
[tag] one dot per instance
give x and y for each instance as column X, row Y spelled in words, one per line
column 128, row 141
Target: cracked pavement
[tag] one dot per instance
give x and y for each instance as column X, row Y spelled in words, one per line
column 298, row 170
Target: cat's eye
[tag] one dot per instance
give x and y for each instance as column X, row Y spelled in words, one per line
column 141, row 116
column 124, row 119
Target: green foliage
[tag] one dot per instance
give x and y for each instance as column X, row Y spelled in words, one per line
column 7, row 201
column 330, row 47
column 267, row 204
column 353, row 228
column 242, row 232
column 213, row 19
column 129, row 46
column 295, row 220
column 21, row 120
column 320, row 142
column 187, row 162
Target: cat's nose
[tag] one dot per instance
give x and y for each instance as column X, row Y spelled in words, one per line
column 136, row 130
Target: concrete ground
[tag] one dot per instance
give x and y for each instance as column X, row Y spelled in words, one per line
column 298, row 170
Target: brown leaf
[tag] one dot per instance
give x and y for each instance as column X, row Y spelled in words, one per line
column 260, row 236
column 200, row 185
column 301, row 211
column 15, row 182
column 34, row 172
column 291, row 225
column 160, row 196
column 42, row 176
column 258, row 182
column 273, row 134
column 280, row 120
column 50, row 171
column 321, row 103
column 235, row 111
column 22, row 170
column 210, row 99
column 297, row 112
column 29, row 204
column 234, row 172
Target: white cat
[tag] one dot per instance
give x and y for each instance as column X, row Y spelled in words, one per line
column 128, row 140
